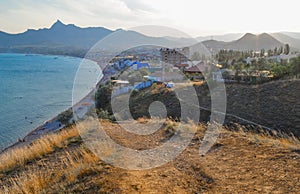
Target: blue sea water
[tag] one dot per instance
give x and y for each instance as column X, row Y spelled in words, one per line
column 33, row 89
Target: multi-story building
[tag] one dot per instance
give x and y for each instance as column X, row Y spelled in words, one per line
column 174, row 56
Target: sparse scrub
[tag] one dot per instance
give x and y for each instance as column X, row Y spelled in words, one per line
column 74, row 169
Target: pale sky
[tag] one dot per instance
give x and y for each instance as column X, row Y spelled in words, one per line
column 194, row 17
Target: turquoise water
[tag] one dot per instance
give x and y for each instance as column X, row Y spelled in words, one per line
column 33, row 89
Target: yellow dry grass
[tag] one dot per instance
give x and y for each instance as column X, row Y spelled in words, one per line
column 55, row 175
column 74, row 165
column 287, row 142
column 19, row 156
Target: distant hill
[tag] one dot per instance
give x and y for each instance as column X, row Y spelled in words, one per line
column 58, row 35
column 226, row 37
column 73, row 40
column 122, row 39
column 65, row 39
column 255, row 42
column 293, row 42
column 247, row 42
column 292, row 34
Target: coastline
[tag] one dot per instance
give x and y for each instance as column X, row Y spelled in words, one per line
column 53, row 124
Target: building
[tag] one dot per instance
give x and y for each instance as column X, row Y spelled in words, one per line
column 137, row 65
column 182, row 66
column 174, row 56
column 194, row 72
column 166, row 76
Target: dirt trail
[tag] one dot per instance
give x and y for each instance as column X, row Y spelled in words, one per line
column 238, row 162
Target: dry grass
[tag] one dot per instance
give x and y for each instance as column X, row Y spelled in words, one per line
column 46, row 169
column 290, row 142
column 76, row 164
column 53, row 174
column 19, row 156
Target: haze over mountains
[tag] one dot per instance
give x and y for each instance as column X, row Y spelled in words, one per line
column 70, row 37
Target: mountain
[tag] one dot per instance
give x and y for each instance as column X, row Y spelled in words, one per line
column 255, row 42
column 225, row 37
column 247, row 42
column 293, row 42
column 58, row 35
column 182, row 41
column 73, row 40
column 67, row 39
column 122, row 39
column 292, row 34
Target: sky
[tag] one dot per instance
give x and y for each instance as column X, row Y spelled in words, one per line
column 193, row 17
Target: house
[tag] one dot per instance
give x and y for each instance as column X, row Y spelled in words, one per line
column 194, row 72
column 223, row 75
column 174, row 56
column 120, row 83
column 181, row 66
column 166, row 76
column 137, row 65
column 120, row 87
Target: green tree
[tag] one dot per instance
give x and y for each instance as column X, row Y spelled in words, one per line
column 280, row 50
column 103, row 97
column 196, row 56
column 295, row 66
column 275, row 51
column 270, row 53
column 261, row 63
column 287, row 49
column 238, row 69
column 262, row 52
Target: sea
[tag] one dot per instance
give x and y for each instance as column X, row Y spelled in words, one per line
column 36, row 88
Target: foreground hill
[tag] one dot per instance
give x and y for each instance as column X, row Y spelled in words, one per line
column 274, row 104
column 239, row 162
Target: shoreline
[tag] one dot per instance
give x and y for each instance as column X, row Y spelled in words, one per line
column 42, row 129
column 54, row 55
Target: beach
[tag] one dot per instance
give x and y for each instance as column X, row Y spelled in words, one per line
column 36, row 90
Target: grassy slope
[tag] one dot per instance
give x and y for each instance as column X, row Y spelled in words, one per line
column 274, row 104
column 239, row 162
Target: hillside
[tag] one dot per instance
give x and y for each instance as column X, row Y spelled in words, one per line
column 226, row 37
column 293, row 42
column 247, row 42
column 255, row 42
column 70, row 38
column 57, row 35
column 239, row 162
column 274, row 104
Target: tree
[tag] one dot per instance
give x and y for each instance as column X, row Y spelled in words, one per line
column 280, row 50
column 196, row 56
column 262, row 52
column 275, row 51
column 287, row 49
column 261, row 63
column 238, row 68
column 269, row 53
column 103, row 97
column 295, row 66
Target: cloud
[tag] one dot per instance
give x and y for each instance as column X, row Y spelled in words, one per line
column 138, row 5
column 196, row 17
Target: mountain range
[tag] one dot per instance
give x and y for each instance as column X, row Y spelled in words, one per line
column 247, row 42
column 67, row 38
